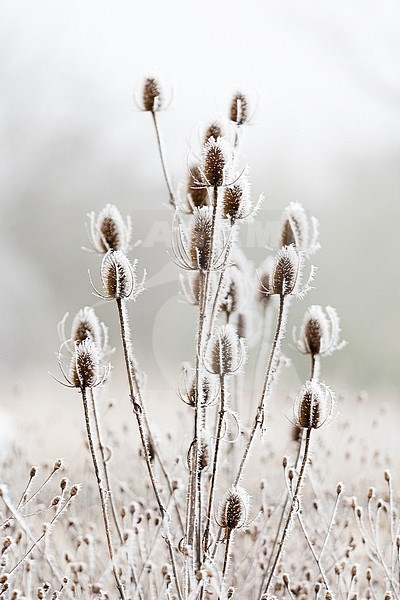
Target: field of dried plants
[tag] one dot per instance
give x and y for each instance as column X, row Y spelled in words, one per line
column 242, row 493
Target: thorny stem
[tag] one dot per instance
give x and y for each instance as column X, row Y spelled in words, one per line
column 105, row 467
column 214, row 467
column 195, row 536
column 225, row 567
column 102, row 496
column 269, row 376
column 138, row 410
column 216, row 302
column 136, row 382
column 172, row 200
column 291, row 510
column 297, row 461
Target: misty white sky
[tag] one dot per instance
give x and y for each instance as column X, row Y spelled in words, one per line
column 324, row 78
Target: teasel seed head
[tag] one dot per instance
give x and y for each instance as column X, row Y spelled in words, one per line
column 286, row 276
column 237, row 204
column 187, row 388
column 235, row 293
column 86, row 325
column 217, row 156
column 109, row 231
column 234, row 510
column 264, row 276
column 296, row 230
column 226, row 352
column 85, row 368
column 314, row 406
column 214, row 130
column 200, row 233
column 239, row 109
column 197, row 195
column 119, row 277
column 320, row 332
column 152, row 97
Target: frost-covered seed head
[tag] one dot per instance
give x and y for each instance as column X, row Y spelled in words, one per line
column 239, row 109
column 297, row 231
column 286, row 273
column 200, row 231
column 236, row 201
column 234, row 509
column 234, row 295
column 118, row 276
column 320, row 331
column 207, row 391
column 214, row 130
column 85, row 365
column 197, row 193
column 109, row 231
column 152, row 96
column 86, row 325
column 264, row 290
column 216, row 158
column 225, row 351
column 314, row 405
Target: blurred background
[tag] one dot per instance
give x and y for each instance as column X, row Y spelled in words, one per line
column 324, row 87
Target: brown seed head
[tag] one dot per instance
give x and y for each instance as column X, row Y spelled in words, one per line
column 239, row 109
column 152, row 97
column 216, row 158
column 200, row 231
column 109, row 231
column 118, row 276
column 286, row 273
column 85, row 371
column 226, row 353
column 86, row 325
column 234, row 509
column 197, row 193
column 313, row 406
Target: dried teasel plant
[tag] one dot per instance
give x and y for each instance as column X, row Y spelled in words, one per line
column 175, row 515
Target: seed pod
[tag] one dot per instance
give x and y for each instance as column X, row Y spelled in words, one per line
column 226, row 351
column 236, row 201
column 216, row 159
column 86, row 325
column 109, row 231
column 204, row 455
column 234, row 509
column 314, row 406
column 320, row 331
column 239, row 109
column 200, row 231
column 286, row 274
column 118, row 276
column 214, row 130
column 152, row 97
column 196, row 191
column 296, row 229
column 234, row 295
column 85, row 365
